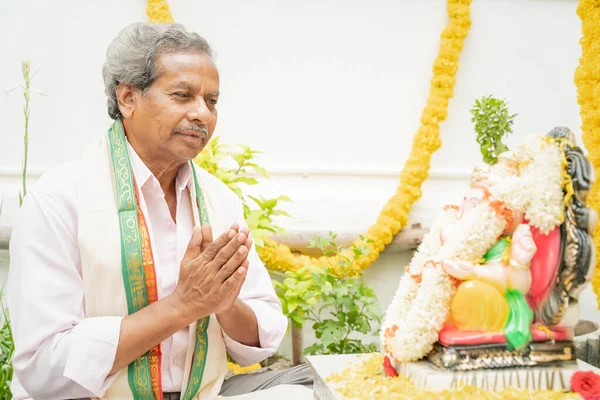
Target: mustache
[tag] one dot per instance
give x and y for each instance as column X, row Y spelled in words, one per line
column 191, row 128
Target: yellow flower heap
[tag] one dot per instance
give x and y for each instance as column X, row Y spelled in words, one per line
column 366, row 381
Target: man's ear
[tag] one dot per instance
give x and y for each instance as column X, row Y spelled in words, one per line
column 126, row 99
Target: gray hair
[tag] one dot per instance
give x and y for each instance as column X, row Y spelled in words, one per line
column 132, row 57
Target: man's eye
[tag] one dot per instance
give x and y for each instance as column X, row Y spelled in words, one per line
column 213, row 102
column 183, row 95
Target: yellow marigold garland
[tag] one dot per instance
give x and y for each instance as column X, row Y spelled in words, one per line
column 394, row 215
column 587, row 79
column 158, row 12
column 239, row 370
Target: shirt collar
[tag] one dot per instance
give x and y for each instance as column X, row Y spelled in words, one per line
column 184, row 176
column 143, row 175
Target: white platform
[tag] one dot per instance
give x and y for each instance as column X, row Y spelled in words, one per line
column 426, row 376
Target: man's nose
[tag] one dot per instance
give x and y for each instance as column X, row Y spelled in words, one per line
column 199, row 111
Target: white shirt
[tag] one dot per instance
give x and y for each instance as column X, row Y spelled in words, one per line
column 59, row 353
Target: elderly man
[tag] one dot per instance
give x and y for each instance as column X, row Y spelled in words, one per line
column 132, row 270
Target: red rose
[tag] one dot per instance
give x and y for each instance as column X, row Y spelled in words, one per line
column 586, row 384
column 388, row 367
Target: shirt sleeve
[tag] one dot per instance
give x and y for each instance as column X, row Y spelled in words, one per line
column 58, row 352
column 258, row 292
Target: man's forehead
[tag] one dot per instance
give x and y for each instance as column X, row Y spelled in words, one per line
column 189, row 71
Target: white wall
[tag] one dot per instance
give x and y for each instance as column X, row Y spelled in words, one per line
column 331, row 91
column 329, row 86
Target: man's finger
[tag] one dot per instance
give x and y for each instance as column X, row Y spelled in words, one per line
column 212, row 249
column 232, row 264
column 207, row 236
column 233, row 284
column 248, row 243
column 194, row 248
column 227, row 252
column 246, row 264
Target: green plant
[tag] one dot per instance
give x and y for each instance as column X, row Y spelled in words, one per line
column 26, row 69
column 236, row 166
column 7, row 349
column 27, row 91
column 492, row 122
column 297, row 293
column 7, row 346
column 349, row 306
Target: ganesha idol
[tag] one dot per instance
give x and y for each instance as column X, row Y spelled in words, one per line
column 496, row 281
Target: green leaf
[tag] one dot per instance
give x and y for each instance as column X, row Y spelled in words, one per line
column 246, row 180
column 302, row 287
column 280, row 212
column 348, row 303
column 269, row 204
column 312, row 301
column 259, row 202
column 236, row 190
column 239, row 158
column 297, row 319
column 331, row 332
column 276, row 284
column 341, row 318
column 341, row 291
column 363, row 325
column 290, row 282
column 316, row 348
column 260, row 170
column 284, row 308
column 292, row 305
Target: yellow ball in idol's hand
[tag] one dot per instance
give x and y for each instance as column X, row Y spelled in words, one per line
column 478, row 306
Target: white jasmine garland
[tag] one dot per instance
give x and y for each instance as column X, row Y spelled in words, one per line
column 396, row 312
column 418, row 317
column 538, row 190
column 432, row 240
column 475, row 233
column 419, row 330
column 407, row 290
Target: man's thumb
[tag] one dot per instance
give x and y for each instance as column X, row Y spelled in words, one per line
column 194, row 248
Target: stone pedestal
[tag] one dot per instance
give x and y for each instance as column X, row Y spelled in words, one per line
column 587, row 342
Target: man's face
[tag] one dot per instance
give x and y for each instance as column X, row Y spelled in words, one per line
column 176, row 116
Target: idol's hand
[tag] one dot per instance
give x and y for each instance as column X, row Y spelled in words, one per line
column 522, row 247
column 212, row 272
